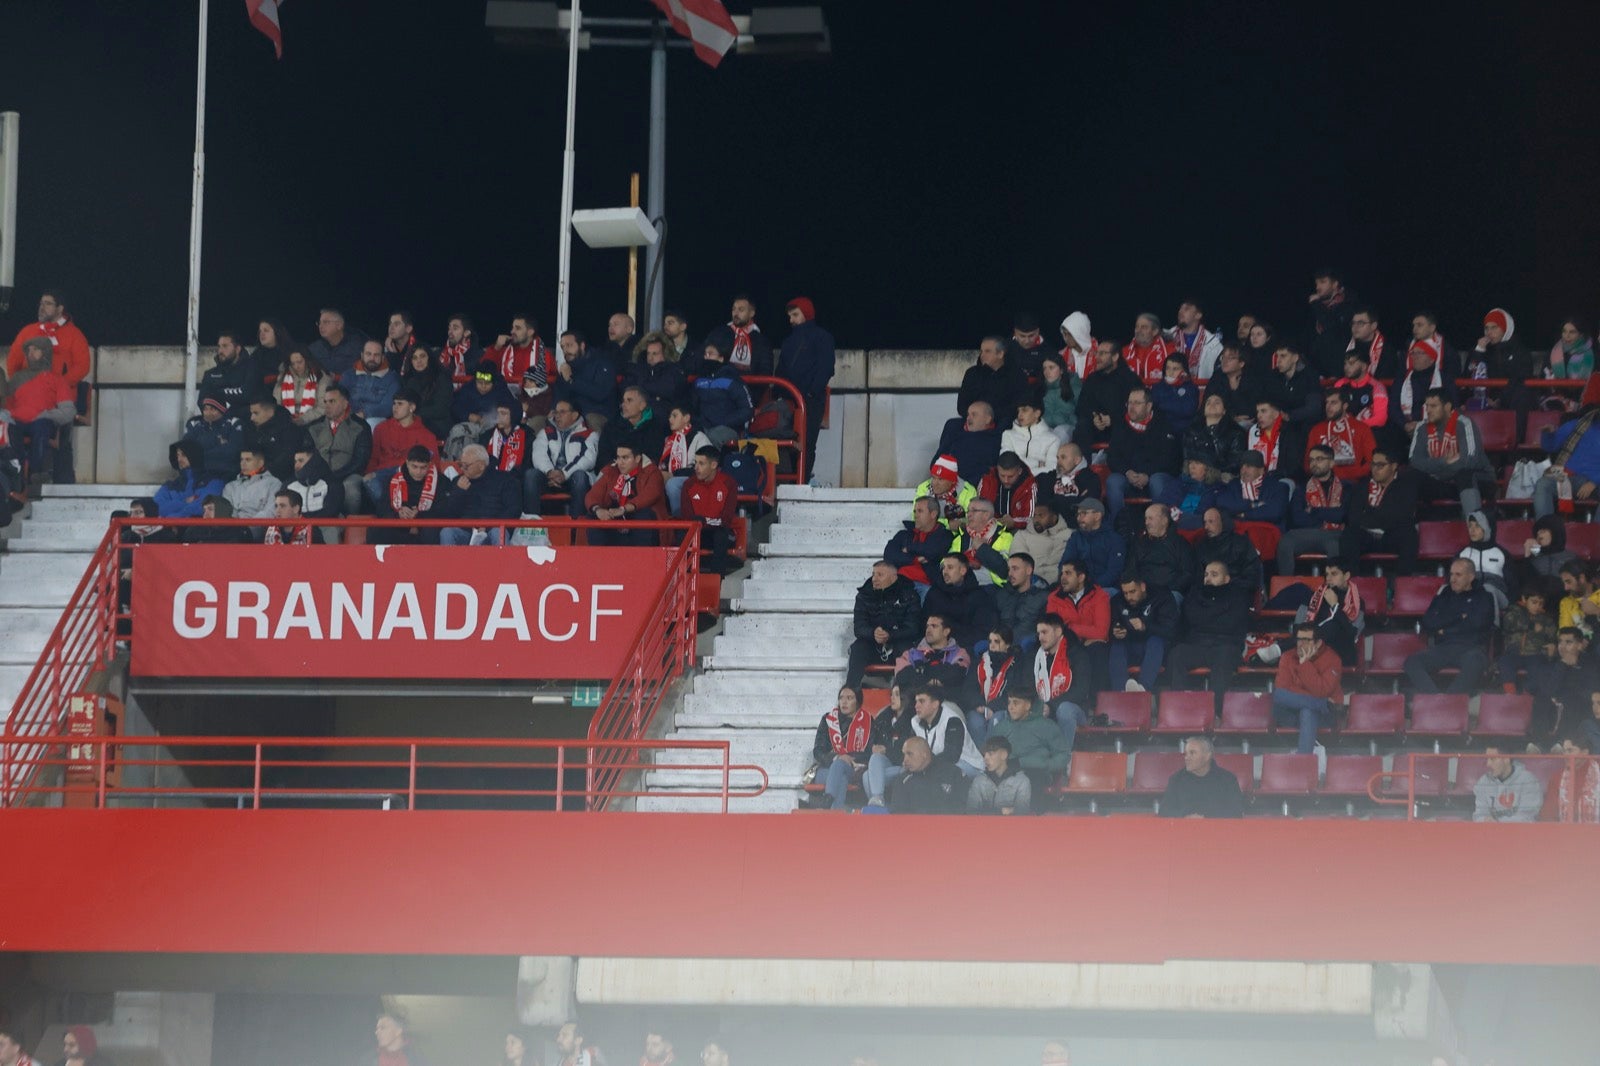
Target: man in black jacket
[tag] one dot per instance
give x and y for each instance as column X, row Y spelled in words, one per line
column 1202, row 789
column 995, row 380
column 1144, row 453
column 1296, row 389
column 228, row 379
column 1332, row 307
column 927, row 785
column 1144, row 623
column 485, row 494
column 886, row 612
column 1225, row 545
column 1159, row 556
column 1217, row 617
column 974, row 441
column 273, row 432
column 1103, row 399
column 961, row 600
column 1458, row 624
column 916, row 550
column 1383, row 514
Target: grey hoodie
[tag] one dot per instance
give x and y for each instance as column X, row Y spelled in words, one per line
column 988, row 796
column 1516, row 799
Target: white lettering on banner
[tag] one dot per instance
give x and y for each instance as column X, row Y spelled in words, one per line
column 594, row 608
column 205, row 612
column 299, row 612
column 404, row 595
column 442, row 629
column 506, row 613
column 345, row 607
column 572, row 631
column 256, row 610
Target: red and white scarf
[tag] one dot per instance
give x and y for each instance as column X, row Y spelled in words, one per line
column 1080, row 363
column 398, row 486
column 675, row 452
column 299, row 536
column 1266, row 441
column 992, row 682
column 1340, row 436
column 1374, row 350
column 1251, row 489
column 1194, row 348
column 1138, row 427
column 625, row 488
column 1375, row 492
column 1052, row 674
column 740, row 356
column 1434, row 346
column 1444, row 441
column 454, row 356
column 515, row 362
column 1319, row 495
column 297, row 395
column 509, row 449
column 1067, row 484
column 855, row 741
column 1349, row 604
column 1147, row 361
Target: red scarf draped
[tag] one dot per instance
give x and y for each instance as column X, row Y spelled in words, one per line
column 1080, row 363
column 675, row 453
column 1069, row 480
column 515, row 362
column 1148, row 361
column 624, row 488
column 454, row 356
column 299, row 536
column 1052, row 674
column 297, row 397
column 1375, row 492
column 1445, row 442
column 740, row 356
column 397, row 489
column 1251, row 489
column 1341, row 437
column 1434, row 346
column 1266, row 441
column 509, row 449
column 1194, row 348
column 1138, row 427
column 855, row 741
column 1319, row 496
column 992, row 683
column 1349, row 605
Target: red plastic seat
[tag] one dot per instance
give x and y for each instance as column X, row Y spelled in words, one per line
column 1438, row 716
column 874, row 700
column 1152, row 770
column 1246, row 714
column 1496, row 429
column 1389, row 653
column 1432, row 773
column 1243, row 767
column 708, row 594
column 1348, row 775
column 1440, row 540
column 1583, row 539
column 1412, row 595
column 1513, row 533
column 1503, row 715
column 1469, row 768
column 1100, row 772
column 1288, row 775
column 1281, row 582
column 1184, row 713
column 1129, row 713
column 1374, row 596
column 1375, row 715
column 1538, row 422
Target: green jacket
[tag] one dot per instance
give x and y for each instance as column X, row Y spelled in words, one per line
column 1036, row 742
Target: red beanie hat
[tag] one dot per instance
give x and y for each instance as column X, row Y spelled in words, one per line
column 945, row 467
column 804, row 304
column 88, row 1046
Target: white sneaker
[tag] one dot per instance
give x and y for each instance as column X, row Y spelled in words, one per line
column 1133, row 686
column 1269, row 654
column 1322, row 759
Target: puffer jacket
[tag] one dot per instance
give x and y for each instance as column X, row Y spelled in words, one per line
column 1010, row 791
column 185, row 494
column 895, row 609
column 1035, row 445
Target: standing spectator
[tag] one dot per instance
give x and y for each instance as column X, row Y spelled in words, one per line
column 1214, row 438
column 850, row 744
column 1447, row 452
column 1427, row 374
column 1234, row 550
column 712, row 500
column 273, row 433
column 1306, row 690
column 1574, row 471
column 219, row 437
column 806, row 361
column 1026, row 347
column 185, row 493
column 1572, row 357
column 1369, row 397
column 1347, row 438
column 372, row 384
column 936, row 658
column 573, row 1044
column 1146, row 355
column 251, row 493
column 1144, row 624
column 1507, row 791
column 461, row 352
column 1295, row 389
column 290, row 530
column 1038, row 746
column 1280, row 442
column 662, row 379
column 344, row 442
column 1458, row 623
column 1383, row 514
column 1159, row 556
column 38, row 406
column 1317, row 513
column 321, row 494
column 400, row 340
column 485, row 494
column 974, row 442
column 1235, row 386
column 1176, row 396
column 1202, row 789
column 1043, row 540
column 958, row 597
column 66, row 346
column 301, row 381
column 884, row 622
column 1368, row 345
column 1198, row 345
column 995, row 672
column 1104, row 397
column 1070, row 481
column 1020, row 602
column 589, row 375
column 337, row 346
column 994, row 381
column 722, row 398
column 940, row 725
column 1098, row 547
column 628, row 489
column 416, row 490
column 229, row 378
column 394, row 438
column 926, row 785
column 915, row 551
column 1332, row 319
column 429, row 380
column 1010, row 489
column 1217, row 617
column 684, row 442
column 741, row 342
column 1054, row 678
column 675, row 327
column 520, row 353
column 1253, row 496
column 1144, row 450
column 1029, row 439
column 1528, row 637
column 1002, row 788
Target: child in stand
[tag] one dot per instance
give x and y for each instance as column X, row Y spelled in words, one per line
column 1530, row 636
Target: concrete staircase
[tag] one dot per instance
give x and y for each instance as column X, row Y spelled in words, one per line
column 48, row 547
column 779, row 661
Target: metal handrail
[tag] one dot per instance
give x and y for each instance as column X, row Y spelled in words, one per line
column 1409, row 774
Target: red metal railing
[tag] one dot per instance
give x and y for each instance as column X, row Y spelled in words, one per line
column 86, row 638
column 802, row 425
column 410, row 772
column 1403, row 778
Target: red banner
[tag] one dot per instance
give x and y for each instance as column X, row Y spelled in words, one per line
column 394, row 611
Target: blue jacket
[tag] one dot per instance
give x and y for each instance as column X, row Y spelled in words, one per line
column 186, row 493
column 1457, row 617
column 722, row 398
column 1272, row 505
column 1303, row 517
column 1102, row 553
column 975, row 451
column 372, row 395
column 1177, row 403
column 593, row 388
column 219, row 441
column 469, row 401
column 806, row 360
column 494, row 495
column 905, row 549
column 1191, row 497
column 1585, row 460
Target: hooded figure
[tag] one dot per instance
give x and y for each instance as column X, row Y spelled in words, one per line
column 88, row 1048
column 220, row 508
column 1487, row 557
column 1505, row 358
column 1233, row 550
column 321, row 494
column 471, row 399
column 182, row 496
column 1544, row 561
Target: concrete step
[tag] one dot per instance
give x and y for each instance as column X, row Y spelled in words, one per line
column 796, row 570
column 805, row 493
column 670, row 801
column 762, row 712
column 746, row 745
column 760, row 685
column 788, row 631
column 19, row 622
column 125, row 492
column 24, row 649
column 842, row 593
column 787, row 607
column 782, row 774
column 829, row 515
column 808, row 654
column 834, row 541
column 747, row 658
column 76, row 508
column 32, row 584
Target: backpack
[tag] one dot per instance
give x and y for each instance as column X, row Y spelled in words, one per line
column 750, row 472
column 773, row 419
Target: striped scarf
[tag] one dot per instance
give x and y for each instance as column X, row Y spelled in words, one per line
column 1444, row 441
column 1434, row 346
column 1251, row 489
column 1349, row 604
column 675, row 453
column 853, row 742
column 299, row 536
column 1265, row 441
column 297, row 395
column 398, row 487
column 740, row 356
column 992, row 680
column 454, row 356
column 1052, row 674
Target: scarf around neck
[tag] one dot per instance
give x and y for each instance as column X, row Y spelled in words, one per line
column 1444, row 440
column 740, row 356
column 853, row 742
column 1052, row 674
column 398, row 487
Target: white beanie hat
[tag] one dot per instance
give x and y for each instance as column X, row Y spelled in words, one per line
column 1076, row 325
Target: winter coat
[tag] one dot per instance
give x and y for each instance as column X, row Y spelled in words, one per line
column 760, row 351
column 822, row 743
column 372, row 395
column 346, row 451
column 1001, row 389
column 648, row 438
column 219, row 442
column 1158, row 611
column 1037, row 743
column 1585, row 459
column 947, row 735
column 1046, row 547
column 1155, row 450
column 276, row 441
column 593, row 388
column 1190, row 498
column 185, row 494
column 469, row 401
column 1105, row 392
column 1319, row 677
column 1298, row 396
column 1021, row 610
column 1473, row 459
column 1524, row 633
column 918, row 553
column 1270, row 505
column 921, row 665
column 1233, row 550
column 1177, row 402
column 1396, row 510
column 321, row 494
column 1460, row 617
column 436, row 388
column 1303, row 517
column 1167, row 562
column 721, row 399
column 896, row 609
column 496, row 494
column 1217, row 613
column 940, row 789
column 1102, row 552
column 391, row 441
column 807, row 360
column 664, row 384
column 1238, row 401
column 1220, row 446
column 252, row 496
column 965, row 606
column 975, row 450
column 231, row 383
column 1035, row 445
column 573, row 450
column 339, row 359
column 1088, row 617
column 996, row 793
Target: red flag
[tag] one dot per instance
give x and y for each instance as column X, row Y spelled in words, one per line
column 705, row 22
column 264, row 17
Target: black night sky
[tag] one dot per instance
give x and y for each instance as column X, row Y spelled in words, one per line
column 948, row 164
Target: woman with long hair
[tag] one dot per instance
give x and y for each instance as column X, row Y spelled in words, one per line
column 273, row 345
column 1573, row 354
column 425, row 372
column 301, row 381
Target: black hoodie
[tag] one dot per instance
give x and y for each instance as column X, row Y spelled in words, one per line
column 321, row 494
column 277, row 440
column 1233, row 550
column 967, row 608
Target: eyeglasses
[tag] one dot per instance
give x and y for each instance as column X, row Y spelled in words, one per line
column 1305, row 640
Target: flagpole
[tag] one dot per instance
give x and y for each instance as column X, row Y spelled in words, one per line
column 564, row 284
column 191, row 358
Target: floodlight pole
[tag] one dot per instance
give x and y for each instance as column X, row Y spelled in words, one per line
column 568, row 158
column 656, row 181
column 191, row 346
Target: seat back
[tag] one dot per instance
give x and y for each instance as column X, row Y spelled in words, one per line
column 1153, row 769
column 1583, row 539
column 1374, row 596
column 1348, row 775
column 1098, row 771
column 1129, row 712
column 1278, row 584
column 1412, row 595
column 874, row 700
column 1440, row 715
column 1504, row 715
column 1432, row 774
column 1287, row 774
column 1513, row 533
column 1389, row 651
column 1246, row 712
column 1469, row 768
column 1538, row 422
column 1241, row 766
column 1440, row 540
column 1497, row 430
column 1375, row 715
column 1184, row 712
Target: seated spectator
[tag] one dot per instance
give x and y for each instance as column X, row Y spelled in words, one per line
column 1383, row 514
column 1317, row 514
column 472, row 410
column 229, row 379
column 628, row 490
column 1369, row 398
column 1086, row 610
column 1057, row 407
column 1002, row 788
column 461, row 352
column 1367, row 345
column 1507, row 791
column 1029, row 439
column 995, row 381
column 372, row 385
column 1193, row 494
column 1426, row 374
column 850, row 745
column 1144, row 449
column 1581, row 604
column 1100, row 549
column 1038, row 746
column 1147, row 352
column 1216, row 617
column 940, row 725
column 1296, row 390
column 1159, row 556
column 1487, row 557
column 1306, row 691
column 38, row 404
column 216, row 506
column 1544, row 553
column 144, row 507
column 950, row 492
column 1458, row 624
column 926, row 785
column 589, row 378
column 301, row 381
column 637, row 424
column 1561, row 687
column 1253, row 496
column 985, row 696
column 80, row 1048
column 974, row 442
column 1334, row 610
column 1239, row 391
column 683, row 443
column 984, row 543
column 1200, row 347
column 416, row 490
column 219, row 437
column 1279, row 441
column 1077, row 354
column 525, row 364
column 1026, row 347
column 290, row 530
column 337, row 346
column 1574, row 471
column 1589, row 725
column 712, row 500
column 274, row 434
column 960, row 600
column 662, row 380
column 1144, row 624
column 400, row 339
column 345, row 444
column 1010, row 489
column 1103, row 400
column 1346, row 437
column 394, row 439
column 1055, row 679
column 561, row 458
column 722, row 398
column 884, row 622
column 321, row 496
column 483, row 494
column 1572, row 356
column 430, row 381
column 1578, row 789
column 1232, row 549
column 1069, row 482
column 915, row 551
column 1176, row 396
column 1202, row 789
column 1447, row 453
column 1020, row 602
column 936, row 658
column 507, row 442
column 251, row 494
column 182, row 496
column 1043, row 539
column 741, row 341
column 1214, row 438
column 1528, row 637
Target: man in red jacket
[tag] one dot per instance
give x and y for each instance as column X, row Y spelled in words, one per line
column 1086, row 609
column 392, row 439
column 69, row 347
column 1348, row 437
column 711, row 498
column 629, row 488
column 38, row 402
column 1307, row 688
